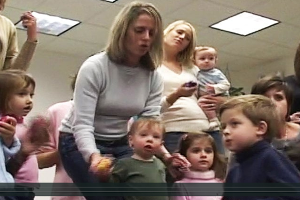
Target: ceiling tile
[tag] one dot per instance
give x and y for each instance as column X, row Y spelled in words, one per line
column 278, row 9
column 203, row 13
column 72, row 47
column 87, row 33
column 216, row 38
column 240, row 4
column 78, row 9
column 281, row 34
column 23, row 4
column 245, row 46
column 106, row 17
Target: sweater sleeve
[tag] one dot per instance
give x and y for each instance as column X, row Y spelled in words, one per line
column 12, row 46
column 11, row 151
column 87, row 89
column 281, row 170
column 223, row 85
column 152, row 107
column 22, row 60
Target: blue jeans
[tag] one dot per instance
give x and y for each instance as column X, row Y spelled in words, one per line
column 78, row 169
column 172, row 140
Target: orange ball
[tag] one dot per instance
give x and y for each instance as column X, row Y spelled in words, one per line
column 104, row 164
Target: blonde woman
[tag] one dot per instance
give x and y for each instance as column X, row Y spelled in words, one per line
column 180, row 110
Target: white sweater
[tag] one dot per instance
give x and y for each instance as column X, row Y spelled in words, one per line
column 184, row 115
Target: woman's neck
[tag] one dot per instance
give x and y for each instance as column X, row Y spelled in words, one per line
column 289, row 131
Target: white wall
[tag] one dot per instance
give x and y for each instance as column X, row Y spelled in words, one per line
column 246, row 77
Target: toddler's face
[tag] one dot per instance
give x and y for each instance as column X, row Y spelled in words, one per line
column 205, row 59
column 201, row 155
column 238, row 131
column 21, row 102
column 146, row 142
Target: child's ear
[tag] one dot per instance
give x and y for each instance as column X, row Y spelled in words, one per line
column 130, row 140
column 262, row 128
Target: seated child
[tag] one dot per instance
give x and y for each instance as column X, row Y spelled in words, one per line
column 210, row 79
column 249, row 123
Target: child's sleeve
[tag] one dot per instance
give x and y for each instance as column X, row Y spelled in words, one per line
column 12, row 150
column 223, row 84
column 119, row 172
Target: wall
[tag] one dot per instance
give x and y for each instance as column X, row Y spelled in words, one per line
column 246, row 77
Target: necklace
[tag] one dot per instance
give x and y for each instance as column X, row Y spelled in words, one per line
column 286, row 143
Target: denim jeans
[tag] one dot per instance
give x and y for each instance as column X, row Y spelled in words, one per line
column 78, row 169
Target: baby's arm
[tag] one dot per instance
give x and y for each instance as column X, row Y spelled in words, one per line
column 12, row 150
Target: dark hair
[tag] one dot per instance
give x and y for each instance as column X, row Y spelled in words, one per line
column 219, row 164
column 263, row 85
column 11, row 81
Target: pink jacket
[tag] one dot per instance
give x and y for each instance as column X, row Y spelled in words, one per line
column 197, row 177
column 29, row 172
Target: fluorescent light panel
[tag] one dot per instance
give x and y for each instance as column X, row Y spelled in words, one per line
column 50, row 24
column 244, row 23
column 110, row 1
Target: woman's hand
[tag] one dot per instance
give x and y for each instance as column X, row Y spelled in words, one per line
column 184, row 91
column 8, row 130
column 29, row 22
column 295, row 117
column 103, row 173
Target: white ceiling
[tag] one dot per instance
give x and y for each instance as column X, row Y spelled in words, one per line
column 238, row 52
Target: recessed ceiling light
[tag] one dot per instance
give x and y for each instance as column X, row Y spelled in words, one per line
column 50, row 24
column 244, row 23
column 110, row 1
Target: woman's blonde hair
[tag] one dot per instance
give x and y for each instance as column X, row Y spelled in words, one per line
column 116, row 47
column 184, row 56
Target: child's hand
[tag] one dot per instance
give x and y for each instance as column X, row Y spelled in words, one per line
column 210, row 89
column 177, row 165
column 29, row 22
column 8, row 129
column 38, row 131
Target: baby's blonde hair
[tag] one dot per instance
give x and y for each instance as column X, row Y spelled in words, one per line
column 203, row 48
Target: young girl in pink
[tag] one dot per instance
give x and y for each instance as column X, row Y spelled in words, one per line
column 16, row 92
column 207, row 166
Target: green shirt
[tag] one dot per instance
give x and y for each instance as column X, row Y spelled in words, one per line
column 130, row 170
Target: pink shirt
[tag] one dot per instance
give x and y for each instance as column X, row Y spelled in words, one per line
column 56, row 114
column 29, row 172
column 198, row 177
